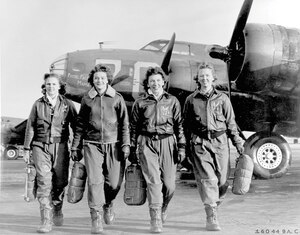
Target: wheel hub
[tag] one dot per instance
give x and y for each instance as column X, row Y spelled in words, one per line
column 11, row 153
column 269, row 156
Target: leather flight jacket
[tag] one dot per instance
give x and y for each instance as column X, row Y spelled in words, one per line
column 50, row 125
column 102, row 119
column 157, row 119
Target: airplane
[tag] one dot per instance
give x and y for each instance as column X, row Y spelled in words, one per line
column 259, row 70
column 12, row 137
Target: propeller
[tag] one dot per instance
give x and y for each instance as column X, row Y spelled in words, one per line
column 166, row 61
column 241, row 22
column 233, row 53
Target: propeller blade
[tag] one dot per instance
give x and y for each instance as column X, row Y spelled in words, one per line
column 232, row 53
column 240, row 23
column 119, row 79
column 233, row 47
column 166, row 61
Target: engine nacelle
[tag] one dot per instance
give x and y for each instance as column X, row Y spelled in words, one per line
column 267, row 58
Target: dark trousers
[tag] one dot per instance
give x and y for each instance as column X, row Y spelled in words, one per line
column 211, row 164
column 159, row 168
column 105, row 165
column 52, row 167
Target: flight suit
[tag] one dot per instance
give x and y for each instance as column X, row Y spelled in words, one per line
column 157, row 133
column 47, row 134
column 208, row 120
column 103, row 126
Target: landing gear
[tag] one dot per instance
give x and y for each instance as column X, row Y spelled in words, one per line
column 271, row 154
column 11, row 153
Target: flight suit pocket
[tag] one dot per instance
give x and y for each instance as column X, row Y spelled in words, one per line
column 220, row 122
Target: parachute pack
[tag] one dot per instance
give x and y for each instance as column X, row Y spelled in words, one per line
column 135, row 193
column 77, row 183
column 242, row 175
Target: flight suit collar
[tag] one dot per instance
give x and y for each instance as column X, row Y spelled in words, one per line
column 109, row 91
column 197, row 93
column 150, row 94
column 59, row 98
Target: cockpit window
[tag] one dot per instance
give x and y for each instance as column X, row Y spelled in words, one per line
column 155, row 45
column 59, row 65
column 180, row 48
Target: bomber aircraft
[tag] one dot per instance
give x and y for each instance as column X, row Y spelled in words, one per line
column 259, row 70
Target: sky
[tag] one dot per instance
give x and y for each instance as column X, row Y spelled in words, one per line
column 34, row 33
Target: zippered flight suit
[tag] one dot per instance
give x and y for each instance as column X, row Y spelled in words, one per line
column 47, row 132
column 157, row 132
column 208, row 121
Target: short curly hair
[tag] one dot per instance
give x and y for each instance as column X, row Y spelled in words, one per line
column 206, row 65
column 100, row 68
column 62, row 89
column 150, row 71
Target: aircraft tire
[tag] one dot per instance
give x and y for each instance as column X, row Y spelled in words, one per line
column 271, row 154
column 11, row 153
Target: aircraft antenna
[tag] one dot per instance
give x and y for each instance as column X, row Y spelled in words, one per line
column 101, row 45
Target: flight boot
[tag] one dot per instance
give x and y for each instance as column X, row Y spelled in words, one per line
column 156, row 222
column 97, row 226
column 222, row 193
column 108, row 214
column 164, row 213
column 46, row 221
column 57, row 196
column 58, row 217
column 164, row 208
column 212, row 223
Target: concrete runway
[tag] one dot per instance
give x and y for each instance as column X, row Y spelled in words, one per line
column 270, row 207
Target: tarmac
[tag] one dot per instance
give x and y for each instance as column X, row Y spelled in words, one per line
column 270, row 207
